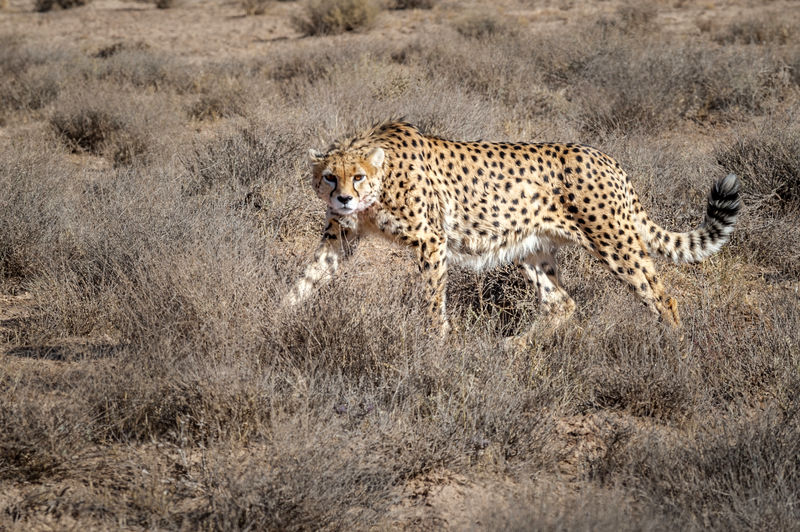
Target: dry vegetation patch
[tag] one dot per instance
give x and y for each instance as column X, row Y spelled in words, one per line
column 47, row 5
column 328, row 17
column 154, row 208
column 108, row 123
column 766, row 156
column 769, row 28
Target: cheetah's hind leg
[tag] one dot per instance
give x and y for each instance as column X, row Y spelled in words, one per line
column 555, row 303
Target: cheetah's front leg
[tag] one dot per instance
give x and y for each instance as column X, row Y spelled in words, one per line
column 431, row 251
column 432, row 257
column 337, row 242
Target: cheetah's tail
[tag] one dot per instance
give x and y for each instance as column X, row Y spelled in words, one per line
column 709, row 237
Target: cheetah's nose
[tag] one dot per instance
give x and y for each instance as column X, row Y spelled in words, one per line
column 344, row 200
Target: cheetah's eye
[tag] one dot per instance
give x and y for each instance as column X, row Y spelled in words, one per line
column 358, row 177
column 330, row 179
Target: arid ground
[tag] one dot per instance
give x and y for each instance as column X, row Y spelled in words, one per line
column 155, row 207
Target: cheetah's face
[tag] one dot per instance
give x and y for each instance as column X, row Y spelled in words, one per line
column 347, row 182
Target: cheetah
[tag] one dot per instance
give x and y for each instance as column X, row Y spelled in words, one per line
column 484, row 204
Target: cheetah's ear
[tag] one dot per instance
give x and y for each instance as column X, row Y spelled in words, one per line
column 375, row 157
column 315, row 156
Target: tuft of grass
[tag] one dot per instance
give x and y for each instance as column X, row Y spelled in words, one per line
column 240, row 161
column 89, row 129
column 46, row 5
column 330, row 17
column 40, row 439
column 216, row 106
column 767, row 159
column 224, row 99
column 413, row 4
column 482, row 25
column 103, row 122
column 663, row 84
column 134, row 63
column 31, row 175
column 630, row 19
column 30, row 91
column 768, row 162
column 747, row 472
column 31, row 77
column 768, row 28
column 252, row 165
column 254, row 7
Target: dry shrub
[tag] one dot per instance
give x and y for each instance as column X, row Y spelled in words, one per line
column 769, row 28
column 339, row 480
column 602, row 84
column 139, row 487
column 503, row 72
column 104, row 122
column 120, row 46
column 217, row 105
column 768, row 162
column 39, row 439
column 46, row 5
column 222, row 97
column 458, row 406
column 413, row 4
column 503, row 295
column 260, row 167
column 333, row 486
column 547, row 506
column 31, row 90
column 630, row 19
column 102, row 287
column 33, row 184
column 353, row 91
column 87, row 129
column 137, row 65
column 31, row 77
column 16, row 55
column 181, row 401
column 303, row 66
column 254, row 7
column 740, row 475
column 625, row 88
column 606, row 83
column 636, row 16
column 482, row 25
column 329, row 17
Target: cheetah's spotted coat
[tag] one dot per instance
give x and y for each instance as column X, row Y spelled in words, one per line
column 482, row 204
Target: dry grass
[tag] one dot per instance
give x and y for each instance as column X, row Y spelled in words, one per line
column 154, row 208
column 412, row 4
column 329, row 17
column 107, row 123
column 482, row 25
column 767, row 157
column 255, row 7
column 46, row 5
column 769, row 28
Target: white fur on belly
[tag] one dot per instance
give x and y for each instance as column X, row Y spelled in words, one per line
column 492, row 256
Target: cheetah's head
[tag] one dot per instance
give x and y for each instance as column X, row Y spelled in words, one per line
column 348, row 181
